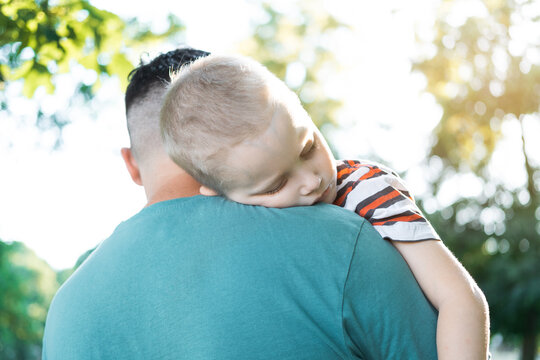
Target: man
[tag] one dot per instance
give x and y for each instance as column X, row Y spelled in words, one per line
column 192, row 277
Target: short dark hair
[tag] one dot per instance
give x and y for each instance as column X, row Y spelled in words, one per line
column 147, row 83
column 144, row 77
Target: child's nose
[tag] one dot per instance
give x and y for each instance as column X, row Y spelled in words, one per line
column 311, row 184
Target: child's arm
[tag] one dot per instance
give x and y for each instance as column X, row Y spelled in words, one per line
column 463, row 323
column 381, row 197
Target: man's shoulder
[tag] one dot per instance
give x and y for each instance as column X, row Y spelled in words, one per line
column 201, row 220
column 214, row 259
column 325, row 216
column 207, row 225
column 209, row 211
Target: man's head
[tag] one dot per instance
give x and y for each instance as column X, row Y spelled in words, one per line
column 146, row 160
column 242, row 133
column 144, row 95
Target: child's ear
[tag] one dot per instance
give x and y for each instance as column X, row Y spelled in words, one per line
column 206, row 191
column 131, row 165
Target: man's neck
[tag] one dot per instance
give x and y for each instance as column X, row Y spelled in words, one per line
column 171, row 187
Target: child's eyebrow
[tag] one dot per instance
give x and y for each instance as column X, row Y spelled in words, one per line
column 307, row 146
column 306, row 140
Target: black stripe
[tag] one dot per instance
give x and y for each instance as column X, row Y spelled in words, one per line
column 387, row 190
column 345, row 176
column 384, row 205
column 370, row 167
column 350, row 184
column 406, row 193
column 342, row 178
column 343, row 190
column 377, row 174
column 405, row 213
column 346, row 165
column 413, row 240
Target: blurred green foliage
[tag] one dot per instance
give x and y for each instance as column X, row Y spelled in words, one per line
column 481, row 78
column 290, row 45
column 474, row 69
column 40, row 39
column 484, row 74
column 26, row 288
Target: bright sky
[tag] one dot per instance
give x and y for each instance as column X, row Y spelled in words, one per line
column 62, row 203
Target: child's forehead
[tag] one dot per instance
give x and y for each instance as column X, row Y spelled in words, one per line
column 283, row 111
column 286, row 131
column 293, row 111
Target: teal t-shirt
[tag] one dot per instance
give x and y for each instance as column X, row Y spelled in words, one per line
column 206, row 278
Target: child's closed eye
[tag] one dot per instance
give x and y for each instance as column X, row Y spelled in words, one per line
column 275, row 190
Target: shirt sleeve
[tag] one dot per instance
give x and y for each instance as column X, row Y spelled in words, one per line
column 375, row 326
column 380, row 196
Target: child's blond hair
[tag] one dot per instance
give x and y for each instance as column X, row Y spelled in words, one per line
column 212, row 105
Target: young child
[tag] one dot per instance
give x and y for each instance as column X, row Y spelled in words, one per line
column 244, row 135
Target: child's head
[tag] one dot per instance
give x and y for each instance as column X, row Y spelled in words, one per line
column 243, row 134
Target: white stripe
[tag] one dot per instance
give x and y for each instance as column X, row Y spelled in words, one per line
column 399, row 231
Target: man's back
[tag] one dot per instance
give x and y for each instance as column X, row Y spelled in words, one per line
column 205, row 278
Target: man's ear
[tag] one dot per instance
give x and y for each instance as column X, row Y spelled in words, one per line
column 131, row 165
column 206, row 191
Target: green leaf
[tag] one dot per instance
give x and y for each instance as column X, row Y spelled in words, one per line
column 36, row 79
column 121, row 67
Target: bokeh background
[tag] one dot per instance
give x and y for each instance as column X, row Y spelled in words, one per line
column 446, row 92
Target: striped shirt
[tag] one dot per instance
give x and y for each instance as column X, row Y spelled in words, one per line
column 380, row 196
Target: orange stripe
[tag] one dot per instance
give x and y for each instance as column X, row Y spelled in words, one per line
column 341, row 199
column 353, row 167
column 378, row 202
column 370, row 173
column 400, row 219
column 344, row 172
